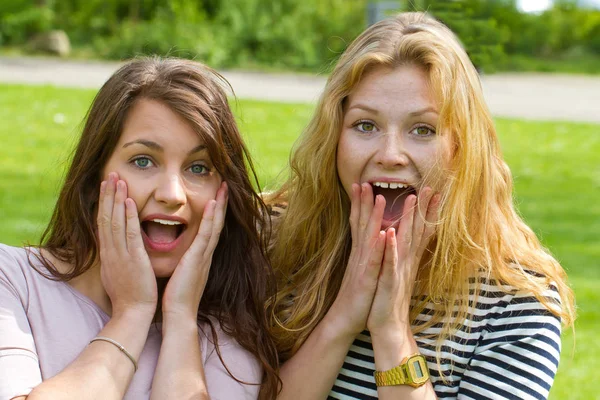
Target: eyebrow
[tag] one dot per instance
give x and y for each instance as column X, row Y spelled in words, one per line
column 423, row 111
column 411, row 114
column 364, row 107
column 155, row 146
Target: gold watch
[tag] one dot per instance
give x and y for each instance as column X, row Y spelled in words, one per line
column 411, row 371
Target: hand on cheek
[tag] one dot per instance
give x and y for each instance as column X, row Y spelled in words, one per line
column 389, row 314
column 126, row 272
column 185, row 288
column 351, row 307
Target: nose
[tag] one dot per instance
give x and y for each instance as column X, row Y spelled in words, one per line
column 392, row 151
column 170, row 190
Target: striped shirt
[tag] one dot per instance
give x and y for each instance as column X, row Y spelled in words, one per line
column 510, row 352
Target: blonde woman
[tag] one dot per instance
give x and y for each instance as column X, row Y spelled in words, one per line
column 405, row 271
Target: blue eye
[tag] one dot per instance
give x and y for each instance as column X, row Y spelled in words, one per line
column 142, row 162
column 198, row 169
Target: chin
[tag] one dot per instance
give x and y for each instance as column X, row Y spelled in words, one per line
column 163, row 268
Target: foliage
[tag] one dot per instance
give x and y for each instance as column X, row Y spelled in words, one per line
column 21, row 25
column 473, row 22
column 294, row 34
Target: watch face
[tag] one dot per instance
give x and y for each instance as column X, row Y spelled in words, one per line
column 417, row 367
column 418, row 370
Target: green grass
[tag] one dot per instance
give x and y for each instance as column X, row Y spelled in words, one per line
column 555, row 165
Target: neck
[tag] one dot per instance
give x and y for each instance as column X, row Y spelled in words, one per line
column 88, row 283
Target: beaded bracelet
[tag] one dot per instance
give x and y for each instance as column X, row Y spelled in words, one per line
column 119, row 346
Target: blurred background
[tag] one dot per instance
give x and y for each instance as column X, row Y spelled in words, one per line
column 299, row 35
column 540, row 64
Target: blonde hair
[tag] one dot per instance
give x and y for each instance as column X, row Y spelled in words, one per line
column 479, row 232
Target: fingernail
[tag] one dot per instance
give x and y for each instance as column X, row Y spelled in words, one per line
column 102, row 186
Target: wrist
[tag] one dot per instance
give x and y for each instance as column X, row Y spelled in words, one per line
column 135, row 315
column 179, row 324
column 334, row 330
column 391, row 347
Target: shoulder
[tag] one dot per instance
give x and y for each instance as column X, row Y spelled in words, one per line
column 217, row 340
column 277, row 212
column 14, row 267
column 501, row 300
column 277, row 209
column 518, row 348
column 518, row 317
column 11, row 255
column 276, row 202
column 231, row 371
column 22, row 272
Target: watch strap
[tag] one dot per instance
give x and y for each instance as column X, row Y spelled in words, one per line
column 412, row 371
column 391, row 377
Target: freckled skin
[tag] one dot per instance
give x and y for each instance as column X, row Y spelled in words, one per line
column 168, row 181
column 389, row 131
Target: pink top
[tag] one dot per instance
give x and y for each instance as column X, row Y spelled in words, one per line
column 45, row 324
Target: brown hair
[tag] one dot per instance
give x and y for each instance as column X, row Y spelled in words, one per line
column 240, row 279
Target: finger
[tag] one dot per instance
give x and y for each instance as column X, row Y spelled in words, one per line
column 118, row 217
column 135, row 244
column 390, row 259
column 366, row 206
column 423, row 200
column 375, row 257
column 219, row 218
column 431, row 219
column 376, row 219
column 199, row 245
column 99, row 212
column 354, row 212
column 405, row 230
column 105, row 213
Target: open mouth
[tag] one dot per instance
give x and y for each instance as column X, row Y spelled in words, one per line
column 162, row 232
column 395, row 195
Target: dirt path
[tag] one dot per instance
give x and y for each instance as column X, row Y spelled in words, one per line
column 529, row 96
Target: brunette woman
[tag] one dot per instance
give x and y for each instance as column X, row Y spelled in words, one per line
column 150, row 280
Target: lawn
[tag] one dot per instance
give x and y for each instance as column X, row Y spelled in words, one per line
column 556, row 169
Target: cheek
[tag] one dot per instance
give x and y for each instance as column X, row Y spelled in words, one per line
column 139, row 190
column 348, row 162
column 434, row 167
column 202, row 194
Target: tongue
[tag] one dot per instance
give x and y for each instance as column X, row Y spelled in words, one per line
column 160, row 233
column 394, row 202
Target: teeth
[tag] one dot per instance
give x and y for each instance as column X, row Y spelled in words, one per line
column 391, row 185
column 166, row 222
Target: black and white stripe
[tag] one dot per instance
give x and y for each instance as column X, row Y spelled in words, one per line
column 508, row 349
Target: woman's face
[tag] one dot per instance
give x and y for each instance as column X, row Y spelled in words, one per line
column 169, row 175
column 389, row 137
